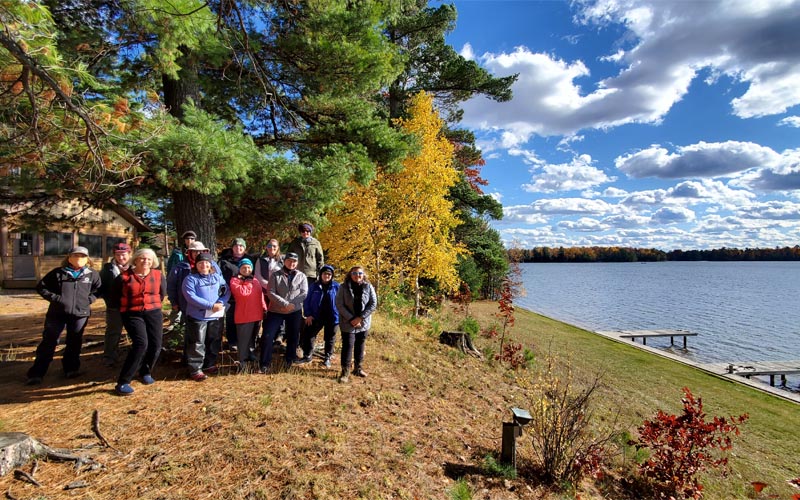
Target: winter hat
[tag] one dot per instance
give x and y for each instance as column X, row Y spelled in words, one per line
column 245, row 262
column 239, row 241
column 290, row 255
column 122, row 248
column 326, row 268
column 204, row 257
column 305, row 226
column 189, row 234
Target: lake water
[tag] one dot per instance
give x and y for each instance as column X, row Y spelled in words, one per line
column 742, row 311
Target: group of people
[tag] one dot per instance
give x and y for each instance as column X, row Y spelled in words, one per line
column 287, row 297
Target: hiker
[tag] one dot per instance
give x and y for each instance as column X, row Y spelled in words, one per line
column 320, row 312
column 269, row 262
column 177, row 256
column 118, row 264
column 288, row 288
column 71, row 289
column 206, row 295
column 139, row 293
column 249, row 312
column 355, row 301
column 229, row 264
column 309, row 249
column 181, row 270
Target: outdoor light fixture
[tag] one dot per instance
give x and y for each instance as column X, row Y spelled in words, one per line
column 511, row 431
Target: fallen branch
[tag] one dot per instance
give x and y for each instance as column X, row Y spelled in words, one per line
column 96, row 430
column 21, row 474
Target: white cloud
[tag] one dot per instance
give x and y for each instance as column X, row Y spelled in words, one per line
column 672, row 215
column 773, row 210
column 576, row 175
column 665, row 47
column 698, row 160
column 791, row 121
column 584, row 224
column 467, row 53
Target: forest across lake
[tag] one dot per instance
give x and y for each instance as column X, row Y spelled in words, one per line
column 625, row 254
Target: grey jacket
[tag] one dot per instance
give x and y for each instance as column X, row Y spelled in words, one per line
column 344, row 304
column 287, row 295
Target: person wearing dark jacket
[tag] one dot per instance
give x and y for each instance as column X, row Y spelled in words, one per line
column 356, row 301
column 139, row 293
column 71, row 289
column 118, row 264
column 320, row 312
column 179, row 255
column 309, row 250
column 229, row 264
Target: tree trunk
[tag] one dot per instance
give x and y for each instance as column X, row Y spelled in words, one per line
column 192, row 209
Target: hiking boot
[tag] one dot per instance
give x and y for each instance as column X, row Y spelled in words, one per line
column 148, row 379
column 33, row 381
column 198, row 376
column 123, row 389
column 358, row 372
column 303, row 361
column 327, row 362
column 344, row 378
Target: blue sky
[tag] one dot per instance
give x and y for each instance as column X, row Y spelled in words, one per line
column 657, row 124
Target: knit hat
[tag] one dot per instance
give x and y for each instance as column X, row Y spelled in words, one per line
column 81, row 250
column 305, row 226
column 326, row 268
column 239, row 241
column 204, row 257
column 245, row 262
column 122, row 248
column 189, row 234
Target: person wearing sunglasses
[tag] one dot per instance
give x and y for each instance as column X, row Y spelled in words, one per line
column 355, row 301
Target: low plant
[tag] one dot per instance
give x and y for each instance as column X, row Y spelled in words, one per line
column 470, row 326
column 492, row 467
column 564, row 443
column 491, row 332
column 683, row 446
column 408, row 448
column 461, row 490
column 516, row 356
column 9, row 354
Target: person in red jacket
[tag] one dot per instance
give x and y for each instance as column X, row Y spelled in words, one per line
column 139, row 292
column 250, row 307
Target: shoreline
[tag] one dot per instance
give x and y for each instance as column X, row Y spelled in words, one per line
column 715, row 369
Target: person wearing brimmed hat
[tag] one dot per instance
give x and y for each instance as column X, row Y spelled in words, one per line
column 71, row 289
column 180, row 272
column 206, row 295
column 229, row 264
column 320, row 312
column 309, row 249
column 288, row 288
column 177, row 256
column 249, row 311
column 119, row 263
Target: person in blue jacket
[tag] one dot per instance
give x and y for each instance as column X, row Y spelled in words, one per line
column 206, row 295
column 71, row 289
column 320, row 312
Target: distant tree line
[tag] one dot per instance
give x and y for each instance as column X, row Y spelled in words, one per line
column 623, row 254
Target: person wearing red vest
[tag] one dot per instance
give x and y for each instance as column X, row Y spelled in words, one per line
column 139, row 292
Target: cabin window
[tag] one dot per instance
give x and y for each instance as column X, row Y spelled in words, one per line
column 92, row 243
column 57, row 243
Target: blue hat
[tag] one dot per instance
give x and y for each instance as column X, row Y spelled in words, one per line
column 245, row 262
column 326, row 267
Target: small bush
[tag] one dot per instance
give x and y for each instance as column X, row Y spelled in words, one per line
column 408, row 448
column 492, row 331
column 492, row 467
column 461, row 490
column 470, row 326
column 682, row 446
column 514, row 356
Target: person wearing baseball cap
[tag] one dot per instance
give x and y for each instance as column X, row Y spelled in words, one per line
column 309, row 251
column 71, row 289
column 287, row 290
column 177, row 256
column 119, row 263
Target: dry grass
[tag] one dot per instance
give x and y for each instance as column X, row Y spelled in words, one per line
column 425, row 417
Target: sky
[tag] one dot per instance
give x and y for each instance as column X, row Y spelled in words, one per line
column 653, row 124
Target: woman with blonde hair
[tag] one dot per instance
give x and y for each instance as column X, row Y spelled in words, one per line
column 356, row 301
column 139, row 292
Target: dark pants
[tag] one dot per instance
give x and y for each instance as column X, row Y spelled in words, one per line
column 246, row 333
column 310, row 337
column 145, row 331
column 274, row 321
column 203, row 343
column 54, row 324
column 112, row 335
column 353, row 345
column 230, row 325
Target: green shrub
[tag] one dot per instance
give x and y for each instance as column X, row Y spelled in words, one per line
column 470, row 326
column 492, row 467
column 461, row 490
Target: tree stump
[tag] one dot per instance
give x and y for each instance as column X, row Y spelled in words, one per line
column 461, row 341
column 17, row 448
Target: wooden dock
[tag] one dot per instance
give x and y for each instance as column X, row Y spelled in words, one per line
column 769, row 369
column 646, row 334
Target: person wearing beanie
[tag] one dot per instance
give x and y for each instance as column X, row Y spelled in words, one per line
column 118, row 264
column 71, row 289
column 320, row 312
column 288, row 288
column 177, row 256
column 206, row 294
column 180, row 272
column 249, row 311
column 229, row 264
column 309, row 249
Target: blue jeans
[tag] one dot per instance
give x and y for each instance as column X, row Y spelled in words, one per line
column 273, row 323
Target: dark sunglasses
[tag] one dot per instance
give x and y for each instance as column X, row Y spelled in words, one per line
column 357, row 273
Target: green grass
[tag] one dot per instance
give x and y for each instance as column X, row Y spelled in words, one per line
column 638, row 383
column 461, row 491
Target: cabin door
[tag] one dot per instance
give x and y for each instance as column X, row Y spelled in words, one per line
column 23, row 251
